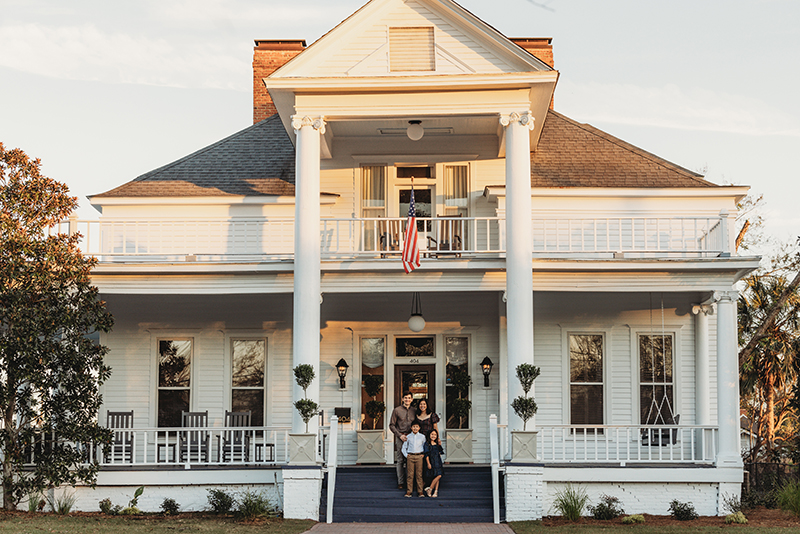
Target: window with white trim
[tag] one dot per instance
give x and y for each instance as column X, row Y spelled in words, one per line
column 586, row 379
column 249, row 363
column 656, row 379
column 174, row 380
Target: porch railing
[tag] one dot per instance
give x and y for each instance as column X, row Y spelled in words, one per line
column 139, row 447
column 268, row 238
column 628, row 444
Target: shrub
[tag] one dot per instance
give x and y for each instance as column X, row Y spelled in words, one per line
column 632, row 519
column 253, row 504
column 130, row 510
column 220, row 502
column 108, row 508
column 682, row 511
column 737, row 518
column 788, row 497
column 570, row 502
column 731, row 503
column 607, row 508
column 170, row 506
column 62, row 505
column 755, row 498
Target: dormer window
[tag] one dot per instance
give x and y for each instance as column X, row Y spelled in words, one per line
column 411, row 49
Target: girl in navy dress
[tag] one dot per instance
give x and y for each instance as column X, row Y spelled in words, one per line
column 433, row 462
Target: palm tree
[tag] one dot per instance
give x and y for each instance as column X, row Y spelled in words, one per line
column 771, row 367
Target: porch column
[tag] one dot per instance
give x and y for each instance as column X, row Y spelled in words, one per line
column 727, row 381
column 306, row 317
column 519, row 249
column 702, row 372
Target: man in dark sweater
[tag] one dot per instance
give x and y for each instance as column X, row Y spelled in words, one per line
column 400, row 425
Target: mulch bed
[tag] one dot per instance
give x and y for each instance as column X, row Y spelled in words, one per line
column 758, row 517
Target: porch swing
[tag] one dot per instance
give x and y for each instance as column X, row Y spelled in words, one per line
column 660, row 411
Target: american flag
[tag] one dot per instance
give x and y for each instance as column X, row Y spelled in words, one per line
column 411, row 247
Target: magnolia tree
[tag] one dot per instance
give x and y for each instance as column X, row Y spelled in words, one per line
column 51, row 366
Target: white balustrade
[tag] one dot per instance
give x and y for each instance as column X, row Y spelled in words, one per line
column 628, row 444
column 265, row 239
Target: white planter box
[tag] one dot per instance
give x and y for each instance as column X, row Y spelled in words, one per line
column 303, row 449
column 371, row 447
column 459, row 445
column 523, row 445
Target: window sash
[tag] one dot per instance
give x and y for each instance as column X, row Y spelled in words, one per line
column 373, row 191
column 586, row 382
column 656, row 378
column 174, row 380
column 248, row 389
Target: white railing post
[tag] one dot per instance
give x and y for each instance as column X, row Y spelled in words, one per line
column 495, row 458
column 332, row 455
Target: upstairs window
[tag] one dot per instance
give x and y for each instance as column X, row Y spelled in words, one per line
column 411, row 49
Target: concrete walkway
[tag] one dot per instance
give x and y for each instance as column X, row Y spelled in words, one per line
column 418, row 528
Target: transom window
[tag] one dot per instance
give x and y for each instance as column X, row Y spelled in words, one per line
column 249, row 359
column 174, row 380
column 586, row 379
column 656, row 383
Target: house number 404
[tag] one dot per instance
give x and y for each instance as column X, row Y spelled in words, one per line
column 414, row 360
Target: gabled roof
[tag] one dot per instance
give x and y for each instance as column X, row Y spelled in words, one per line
column 258, row 160
column 571, row 154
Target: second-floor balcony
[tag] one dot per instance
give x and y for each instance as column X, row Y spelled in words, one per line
column 272, row 239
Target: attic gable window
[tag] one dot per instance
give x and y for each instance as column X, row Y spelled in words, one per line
column 411, row 49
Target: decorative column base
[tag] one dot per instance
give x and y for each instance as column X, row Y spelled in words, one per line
column 302, row 487
column 302, row 449
column 525, row 489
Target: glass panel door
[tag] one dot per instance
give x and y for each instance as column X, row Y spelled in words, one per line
column 419, row 380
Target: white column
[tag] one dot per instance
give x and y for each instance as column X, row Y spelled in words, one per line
column 727, row 382
column 702, row 367
column 306, row 318
column 519, row 249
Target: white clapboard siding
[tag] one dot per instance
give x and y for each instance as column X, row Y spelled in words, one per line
column 366, row 51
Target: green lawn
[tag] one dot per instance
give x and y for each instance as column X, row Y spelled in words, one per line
column 55, row 524
column 535, row 527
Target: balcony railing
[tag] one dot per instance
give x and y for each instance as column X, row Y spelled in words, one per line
column 272, row 239
column 628, row 444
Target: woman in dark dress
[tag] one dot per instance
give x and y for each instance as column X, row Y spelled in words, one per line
column 433, row 463
column 426, row 418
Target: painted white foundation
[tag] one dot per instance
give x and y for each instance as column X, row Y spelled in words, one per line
column 301, row 493
column 525, row 490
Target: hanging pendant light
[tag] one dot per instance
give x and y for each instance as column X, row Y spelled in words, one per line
column 416, row 323
column 415, row 130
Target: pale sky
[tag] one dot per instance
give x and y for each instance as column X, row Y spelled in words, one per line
column 105, row 91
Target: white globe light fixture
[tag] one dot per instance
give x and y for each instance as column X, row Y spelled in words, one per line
column 416, row 323
column 415, row 130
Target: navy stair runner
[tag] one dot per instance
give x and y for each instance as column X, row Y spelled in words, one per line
column 370, row 495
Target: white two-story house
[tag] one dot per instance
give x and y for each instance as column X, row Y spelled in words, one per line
column 542, row 239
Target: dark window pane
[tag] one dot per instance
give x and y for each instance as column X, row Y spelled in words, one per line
column 454, row 403
column 250, row 400
column 249, row 358
column 171, row 403
column 655, row 358
column 586, row 358
column 586, row 405
column 456, row 350
column 414, row 347
column 657, row 405
column 174, row 363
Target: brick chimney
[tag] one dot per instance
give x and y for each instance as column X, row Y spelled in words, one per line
column 541, row 47
column 269, row 56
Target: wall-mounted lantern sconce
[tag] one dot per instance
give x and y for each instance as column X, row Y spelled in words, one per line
column 341, row 368
column 486, row 366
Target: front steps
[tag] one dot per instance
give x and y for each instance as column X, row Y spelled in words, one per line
column 370, row 495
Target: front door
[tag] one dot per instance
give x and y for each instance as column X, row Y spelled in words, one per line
column 420, row 380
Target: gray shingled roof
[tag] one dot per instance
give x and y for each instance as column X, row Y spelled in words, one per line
column 571, row 154
column 259, row 160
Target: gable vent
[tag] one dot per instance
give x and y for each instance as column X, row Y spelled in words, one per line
column 411, row 49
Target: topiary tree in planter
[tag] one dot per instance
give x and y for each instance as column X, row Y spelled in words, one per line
column 374, row 407
column 304, row 374
column 525, row 407
column 459, row 407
